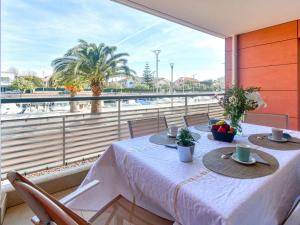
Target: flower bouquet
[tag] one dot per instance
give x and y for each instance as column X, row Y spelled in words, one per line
column 237, row 101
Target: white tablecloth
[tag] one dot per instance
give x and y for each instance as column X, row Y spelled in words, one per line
column 153, row 176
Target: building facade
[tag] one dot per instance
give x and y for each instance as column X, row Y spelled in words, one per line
column 6, row 80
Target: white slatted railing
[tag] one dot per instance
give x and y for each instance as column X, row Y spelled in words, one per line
column 33, row 144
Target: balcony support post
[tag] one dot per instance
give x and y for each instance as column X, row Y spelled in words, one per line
column 64, row 141
column 185, row 105
column 119, row 119
column 208, row 109
column 234, row 61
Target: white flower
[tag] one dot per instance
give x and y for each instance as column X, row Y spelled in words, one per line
column 232, row 100
column 254, row 98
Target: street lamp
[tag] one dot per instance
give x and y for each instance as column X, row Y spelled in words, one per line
column 172, row 83
column 172, row 78
column 156, row 52
column 193, row 82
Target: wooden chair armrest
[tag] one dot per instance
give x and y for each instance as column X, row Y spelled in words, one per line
column 79, row 191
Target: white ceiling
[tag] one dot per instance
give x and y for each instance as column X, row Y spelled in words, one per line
column 221, row 18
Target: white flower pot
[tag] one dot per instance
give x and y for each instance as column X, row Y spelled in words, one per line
column 185, row 153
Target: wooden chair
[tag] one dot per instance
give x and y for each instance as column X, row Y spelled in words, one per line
column 196, row 119
column 142, row 127
column 293, row 217
column 49, row 211
column 266, row 119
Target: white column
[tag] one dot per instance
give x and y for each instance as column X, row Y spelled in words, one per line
column 234, row 66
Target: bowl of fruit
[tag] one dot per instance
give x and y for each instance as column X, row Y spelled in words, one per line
column 223, row 132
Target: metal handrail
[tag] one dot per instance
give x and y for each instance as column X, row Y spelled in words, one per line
column 88, row 98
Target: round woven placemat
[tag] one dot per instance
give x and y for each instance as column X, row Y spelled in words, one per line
column 202, row 127
column 163, row 139
column 228, row 167
column 263, row 141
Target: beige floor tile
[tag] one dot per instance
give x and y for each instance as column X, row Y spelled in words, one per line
column 21, row 214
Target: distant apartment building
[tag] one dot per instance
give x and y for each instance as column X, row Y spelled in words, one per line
column 163, row 81
column 6, row 80
column 127, row 82
column 180, row 81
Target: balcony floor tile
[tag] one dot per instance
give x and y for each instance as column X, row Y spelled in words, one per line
column 21, row 214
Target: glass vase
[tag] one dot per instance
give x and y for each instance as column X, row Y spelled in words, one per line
column 236, row 124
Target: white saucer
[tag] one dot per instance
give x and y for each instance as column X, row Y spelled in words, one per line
column 277, row 140
column 252, row 160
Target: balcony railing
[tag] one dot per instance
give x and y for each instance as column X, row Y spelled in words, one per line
column 33, row 144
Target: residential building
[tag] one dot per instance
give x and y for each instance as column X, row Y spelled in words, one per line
column 6, row 80
column 182, row 80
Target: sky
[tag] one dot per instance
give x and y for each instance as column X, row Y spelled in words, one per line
column 34, row 32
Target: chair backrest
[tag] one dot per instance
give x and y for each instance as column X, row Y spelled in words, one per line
column 47, row 208
column 142, row 127
column 293, row 217
column 195, row 119
column 266, row 119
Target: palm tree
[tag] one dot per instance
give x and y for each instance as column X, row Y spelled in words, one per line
column 94, row 63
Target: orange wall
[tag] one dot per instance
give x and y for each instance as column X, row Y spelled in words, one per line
column 269, row 58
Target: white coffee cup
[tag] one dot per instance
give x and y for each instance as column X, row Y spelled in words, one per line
column 277, row 134
column 173, row 131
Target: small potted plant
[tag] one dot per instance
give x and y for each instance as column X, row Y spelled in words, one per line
column 186, row 145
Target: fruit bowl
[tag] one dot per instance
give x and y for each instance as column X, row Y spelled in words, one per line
column 223, row 132
column 223, row 136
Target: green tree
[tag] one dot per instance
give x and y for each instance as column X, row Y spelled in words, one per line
column 114, row 85
column 207, row 83
column 22, row 84
column 37, row 81
column 188, row 84
column 142, row 87
column 70, row 82
column 165, row 87
column 93, row 63
column 148, row 76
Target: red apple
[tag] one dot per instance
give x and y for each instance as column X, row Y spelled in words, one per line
column 226, row 126
column 222, row 130
column 215, row 127
column 231, row 130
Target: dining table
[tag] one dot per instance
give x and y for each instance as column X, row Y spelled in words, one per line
column 153, row 177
